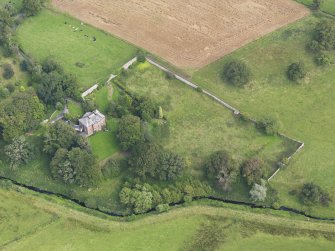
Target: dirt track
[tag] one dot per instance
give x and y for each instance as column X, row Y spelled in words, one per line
column 187, row 33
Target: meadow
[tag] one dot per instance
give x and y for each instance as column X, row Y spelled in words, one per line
column 305, row 110
column 89, row 54
column 327, row 6
column 54, row 225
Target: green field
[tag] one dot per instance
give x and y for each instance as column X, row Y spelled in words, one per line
column 198, row 125
column 327, row 5
column 38, row 224
column 70, row 43
column 305, row 109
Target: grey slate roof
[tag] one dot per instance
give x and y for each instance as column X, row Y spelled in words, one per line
column 91, row 118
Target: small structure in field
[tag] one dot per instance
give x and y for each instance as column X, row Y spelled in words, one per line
column 91, row 123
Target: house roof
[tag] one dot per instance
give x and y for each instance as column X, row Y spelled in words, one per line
column 91, row 118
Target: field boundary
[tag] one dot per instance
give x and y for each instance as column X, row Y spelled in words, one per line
column 235, row 111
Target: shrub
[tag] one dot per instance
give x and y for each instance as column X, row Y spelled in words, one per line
column 24, row 65
column 312, row 194
column 270, row 125
column 141, row 56
column 236, row 73
column 296, row 71
column 325, row 35
column 169, row 75
column 258, row 192
column 8, row 71
column 317, row 4
column 161, row 208
column 4, row 92
column 223, row 168
column 111, row 169
column 323, row 59
column 10, row 87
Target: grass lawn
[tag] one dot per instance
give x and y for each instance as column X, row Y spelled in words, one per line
column 71, row 44
column 75, row 109
column 103, row 96
column 327, row 5
column 306, row 110
column 104, row 144
column 226, row 228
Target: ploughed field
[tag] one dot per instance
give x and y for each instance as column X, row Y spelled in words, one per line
column 188, row 34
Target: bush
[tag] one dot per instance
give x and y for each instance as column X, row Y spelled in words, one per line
column 4, row 92
column 24, row 66
column 141, row 56
column 253, row 170
column 317, row 4
column 323, row 59
column 222, row 168
column 111, row 169
column 236, row 73
column 169, row 75
column 312, row 194
column 270, row 125
column 161, row 208
column 258, row 192
column 10, row 87
column 296, row 71
column 8, row 71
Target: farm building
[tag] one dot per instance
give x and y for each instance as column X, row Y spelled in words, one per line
column 92, row 122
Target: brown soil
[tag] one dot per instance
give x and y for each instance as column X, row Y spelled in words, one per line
column 187, row 33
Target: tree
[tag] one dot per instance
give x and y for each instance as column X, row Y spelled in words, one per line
column 75, row 166
column 62, row 135
column 170, row 167
column 8, row 71
column 129, row 132
column 223, row 168
column 296, row 71
column 138, row 199
column 19, row 152
column 20, row 113
column 317, row 4
column 32, row 7
column 253, row 170
column 145, row 159
column 258, row 192
column 10, row 87
column 236, row 73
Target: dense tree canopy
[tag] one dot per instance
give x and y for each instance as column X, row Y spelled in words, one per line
column 223, row 168
column 170, row 167
column 324, row 35
column 145, row 159
column 62, row 135
column 20, row 113
column 139, row 198
column 75, row 166
column 129, row 132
